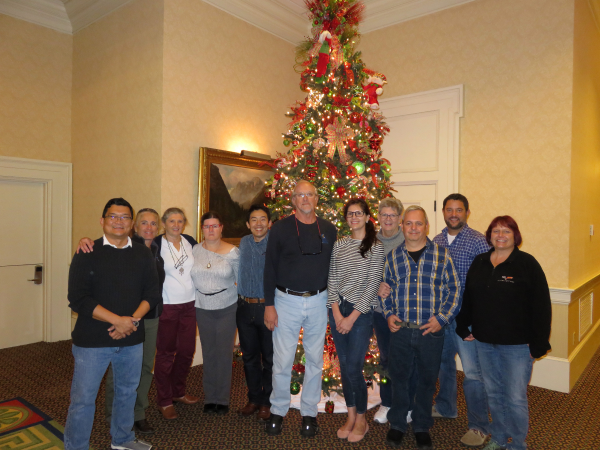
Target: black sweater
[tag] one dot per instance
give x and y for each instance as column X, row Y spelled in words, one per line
column 287, row 267
column 116, row 279
column 508, row 304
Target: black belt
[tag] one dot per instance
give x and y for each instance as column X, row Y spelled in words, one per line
column 213, row 293
column 301, row 294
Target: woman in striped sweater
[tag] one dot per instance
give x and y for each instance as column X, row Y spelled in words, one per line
column 354, row 276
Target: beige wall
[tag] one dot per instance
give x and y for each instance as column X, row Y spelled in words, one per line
column 117, row 113
column 584, row 260
column 227, row 85
column 515, row 59
column 35, row 91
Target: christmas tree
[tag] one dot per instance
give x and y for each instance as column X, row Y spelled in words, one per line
column 335, row 136
column 336, row 133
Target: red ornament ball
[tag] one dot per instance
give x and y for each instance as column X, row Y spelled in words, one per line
column 354, row 117
column 368, row 129
column 341, row 191
column 277, row 176
column 351, row 171
column 374, row 168
column 325, row 90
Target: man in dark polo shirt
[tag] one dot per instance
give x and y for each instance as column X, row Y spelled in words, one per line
column 295, row 286
column 111, row 289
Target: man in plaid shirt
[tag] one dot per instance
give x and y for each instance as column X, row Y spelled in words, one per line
column 424, row 298
column 464, row 244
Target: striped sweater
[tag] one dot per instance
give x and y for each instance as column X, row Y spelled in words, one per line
column 354, row 277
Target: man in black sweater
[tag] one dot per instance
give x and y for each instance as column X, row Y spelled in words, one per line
column 295, row 288
column 111, row 289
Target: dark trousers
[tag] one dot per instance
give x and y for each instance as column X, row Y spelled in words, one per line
column 256, row 342
column 175, row 346
column 351, row 349
column 410, row 351
column 382, row 333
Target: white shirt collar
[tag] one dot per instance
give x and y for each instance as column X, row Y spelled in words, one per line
column 105, row 242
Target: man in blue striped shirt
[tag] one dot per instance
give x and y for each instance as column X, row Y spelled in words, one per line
column 425, row 291
column 464, row 244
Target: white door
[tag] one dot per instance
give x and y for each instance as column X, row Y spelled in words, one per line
column 422, row 147
column 422, row 195
column 21, row 250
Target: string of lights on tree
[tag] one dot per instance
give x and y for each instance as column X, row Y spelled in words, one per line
column 336, row 132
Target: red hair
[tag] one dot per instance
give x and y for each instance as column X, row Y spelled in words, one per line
column 504, row 221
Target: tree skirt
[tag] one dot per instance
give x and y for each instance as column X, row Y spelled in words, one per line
column 339, row 402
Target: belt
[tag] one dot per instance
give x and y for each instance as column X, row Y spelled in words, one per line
column 212, row 293
column 252, row 299
column 409, row 325
column 301, row 294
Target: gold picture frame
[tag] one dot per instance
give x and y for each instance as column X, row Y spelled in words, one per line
column 235, row 168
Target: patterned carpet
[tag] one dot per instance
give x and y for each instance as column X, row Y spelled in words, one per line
column 41, row 374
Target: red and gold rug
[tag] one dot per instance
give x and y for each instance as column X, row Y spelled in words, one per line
column 23, row 426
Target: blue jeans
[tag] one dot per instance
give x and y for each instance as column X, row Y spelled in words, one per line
column 351, row 349
column 506, row 373
column 410, row 350
column 309, row 313
column 474, row 389
column 90, row 367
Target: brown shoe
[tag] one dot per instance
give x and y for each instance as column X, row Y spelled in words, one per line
column 187, row 399
column 168, row 412
column 264, row 412
column 249, row 409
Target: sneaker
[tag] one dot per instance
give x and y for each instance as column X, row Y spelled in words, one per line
column 132, row 445
column 381, row 414
column 473, row 438
column 493, row 445
column 273, row 425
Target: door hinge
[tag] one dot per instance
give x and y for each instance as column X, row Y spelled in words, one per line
column 434, row 205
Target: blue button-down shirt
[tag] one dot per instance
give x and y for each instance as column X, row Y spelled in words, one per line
column 467, row 244
column 252, row 266
column 421, row 290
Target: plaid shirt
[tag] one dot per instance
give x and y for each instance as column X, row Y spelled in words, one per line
column 421, row 291
column 467, row 244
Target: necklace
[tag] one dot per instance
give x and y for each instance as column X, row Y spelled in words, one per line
column 178, row 261
column 208, row 252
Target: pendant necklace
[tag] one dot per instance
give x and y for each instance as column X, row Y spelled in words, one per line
column 178, row 261
column 208, row 266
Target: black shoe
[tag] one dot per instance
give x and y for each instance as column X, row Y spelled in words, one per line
column 394, row 438
column 221, row 410
column 210, row 408
column 142, row 427
column 424, row 441
column 274, row 425
column 309, row 426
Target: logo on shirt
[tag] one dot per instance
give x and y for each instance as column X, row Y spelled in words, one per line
column 324, row 239
column 506, row 279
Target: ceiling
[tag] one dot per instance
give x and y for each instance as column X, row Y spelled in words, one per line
column 283, row 18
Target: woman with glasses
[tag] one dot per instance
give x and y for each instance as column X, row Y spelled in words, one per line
column 391, row 236
column 215, row 274
column 176, row 340
column 145, row 230
column 354, row 276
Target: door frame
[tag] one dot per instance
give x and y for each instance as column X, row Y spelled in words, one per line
column 56, row 178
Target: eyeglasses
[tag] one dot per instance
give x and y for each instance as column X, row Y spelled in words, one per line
column 355, row 213
column 115, row 218
column 304, row 194
column 302, row 252
column 211, row 227
column 389, row 216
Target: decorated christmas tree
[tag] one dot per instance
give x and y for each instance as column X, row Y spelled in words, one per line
column 336, row 132
column 335, row 136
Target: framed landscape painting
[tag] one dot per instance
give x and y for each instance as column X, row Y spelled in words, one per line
column 229, row 183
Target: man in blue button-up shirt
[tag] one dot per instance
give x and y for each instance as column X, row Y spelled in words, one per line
column 425, row 289
column 464, row 244
column 256, row 340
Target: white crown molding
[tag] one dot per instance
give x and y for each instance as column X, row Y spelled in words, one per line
column 272, row 16
column 384, row 13
column 47, row 13
column 85, row 12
